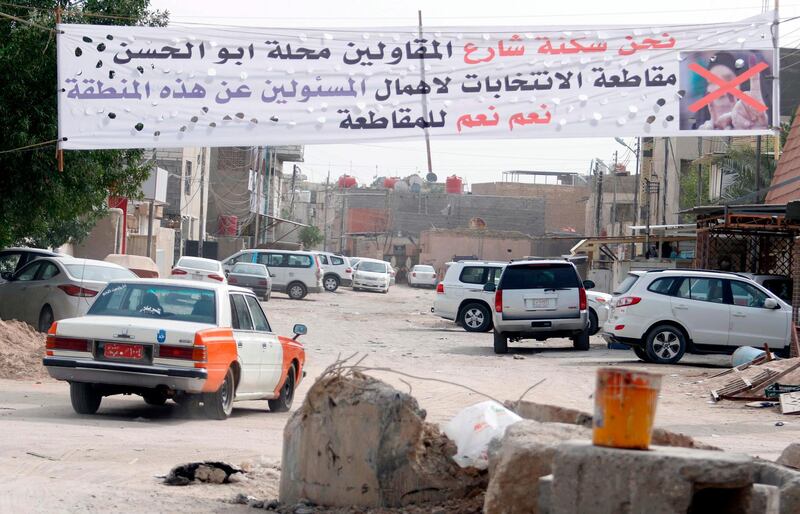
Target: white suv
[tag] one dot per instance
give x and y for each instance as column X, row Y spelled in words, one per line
column 293, row 273
column 460, row 296
column 663, row 314
column 336, row 271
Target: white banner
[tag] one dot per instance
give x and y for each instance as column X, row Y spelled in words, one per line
column 145, row 87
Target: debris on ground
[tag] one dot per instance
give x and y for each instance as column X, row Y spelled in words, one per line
column 474, row 427
column 209, row 472
column 357, row 441
column 21, row 351
column 790, row 456
column 757, row 381
column 470, row 505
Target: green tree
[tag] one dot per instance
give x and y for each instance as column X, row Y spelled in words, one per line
column 310, row 236
column 38, row 204
column 741, row 163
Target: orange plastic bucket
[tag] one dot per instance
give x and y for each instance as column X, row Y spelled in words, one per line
column 625, row 407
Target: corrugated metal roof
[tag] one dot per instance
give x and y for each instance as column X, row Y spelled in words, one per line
column 788, row 168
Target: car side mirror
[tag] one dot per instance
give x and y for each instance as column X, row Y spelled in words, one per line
column 273, row 275
column 771, row 303
column 299, row 330
column 490, row 287
column 588, row 284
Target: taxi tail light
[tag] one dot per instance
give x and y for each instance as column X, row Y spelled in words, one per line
column 440, row 288
column 55, row 342
column 232, row 280
column 498, row 300
column 627, row 301
column 190, row 353
column 582, row 299
column 214, row 276
column 178, row 271
column 81, row 292
column 262, row 282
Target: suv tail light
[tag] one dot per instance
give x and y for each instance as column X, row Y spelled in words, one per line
column 178, row 271
column 81, row 292
column 582, row 300
column 627, row 301
column 348, row 270
column 440, row 288
column 190, row 353
column 214, row 276
column 498, row 300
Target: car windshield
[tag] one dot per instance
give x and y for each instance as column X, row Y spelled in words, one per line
column 538, row 276
column 250, row 269
column 201, row 264
column 372, row 267
column 426, row 269
column 98, row 273
column 626, row 284
column 156, row 301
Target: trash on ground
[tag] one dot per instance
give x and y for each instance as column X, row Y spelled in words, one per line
column 474, row 428
column 210, row 472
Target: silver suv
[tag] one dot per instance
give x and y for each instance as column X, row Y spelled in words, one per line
column 540, row 299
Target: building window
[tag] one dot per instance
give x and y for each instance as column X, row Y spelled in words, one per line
column 187, row 186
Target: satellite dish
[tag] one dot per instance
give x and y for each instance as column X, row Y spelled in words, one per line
column 431, row 177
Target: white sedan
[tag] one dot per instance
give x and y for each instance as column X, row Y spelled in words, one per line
column 422, row 275
column 52, row 288
column 599, row 304
column 198, row 268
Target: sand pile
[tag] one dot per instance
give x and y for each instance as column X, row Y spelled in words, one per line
column 21, row 351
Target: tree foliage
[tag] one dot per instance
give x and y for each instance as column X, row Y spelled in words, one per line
column 741, row 164
column 310, row 236
column 38, row 204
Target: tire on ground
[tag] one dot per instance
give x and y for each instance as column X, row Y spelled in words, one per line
column 331, row 283
column 475, row 317
column 665, row 344
column 296, row 290
column 594, row 324
column 500, row 343
column 284, row 402
column 581, row 341
column 219, row 405
column 641, row 353
column 154, row 398
column 46, row 318
column 84, row 397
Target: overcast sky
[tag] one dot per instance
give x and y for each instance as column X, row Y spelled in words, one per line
column 475, row 161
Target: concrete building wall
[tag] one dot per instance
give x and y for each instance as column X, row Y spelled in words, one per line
column 666, row 203
column 104, row 239
column 565, row 206
column 438, row 247
column 617, row 212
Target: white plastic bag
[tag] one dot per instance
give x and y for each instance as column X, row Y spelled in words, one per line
column 473, row 428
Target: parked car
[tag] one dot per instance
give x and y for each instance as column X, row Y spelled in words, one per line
column 540, row 299
column 141, row 265
column 294, row 273
column 255, row 277
column 336, row 271
column 598, row 310
column 354, row 261
column 198, row 268
column 422, row 275
column 179, row 339
column 664, row 314
column 460, row 296
column 52, row 288
column 372, row 275
column 13, row 259
column 779, row 285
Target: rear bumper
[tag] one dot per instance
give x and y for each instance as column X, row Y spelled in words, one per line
column 532, row 327
column 374, row 287
column 627, row 341
column 78, row 370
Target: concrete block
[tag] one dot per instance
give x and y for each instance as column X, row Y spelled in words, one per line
column 545, row 494
column 787, row 480
column 790, row 456
column 762, row 499
column 663, row 480
column 518, row 460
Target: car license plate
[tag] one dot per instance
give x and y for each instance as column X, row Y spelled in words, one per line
column 539, row 303
column 123, row 351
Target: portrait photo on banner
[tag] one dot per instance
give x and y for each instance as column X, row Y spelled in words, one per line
column 726, row 90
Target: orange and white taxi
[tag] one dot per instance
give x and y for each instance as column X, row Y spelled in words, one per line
column 185, row 340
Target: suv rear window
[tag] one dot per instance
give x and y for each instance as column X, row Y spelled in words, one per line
column 538, row 276
column 663, row 285
column 473, row 275
column 626, row 284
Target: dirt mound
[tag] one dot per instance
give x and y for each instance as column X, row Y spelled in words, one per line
column 21, row 351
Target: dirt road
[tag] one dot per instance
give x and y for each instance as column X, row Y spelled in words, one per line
column 51, row 458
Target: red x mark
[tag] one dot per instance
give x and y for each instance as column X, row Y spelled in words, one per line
column 727, row 87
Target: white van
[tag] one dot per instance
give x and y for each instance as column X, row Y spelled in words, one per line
column 293, row 273
column 373, row 275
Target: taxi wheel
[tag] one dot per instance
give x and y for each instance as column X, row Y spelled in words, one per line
column 85, row 398
column 284, row 402
column 219, row 405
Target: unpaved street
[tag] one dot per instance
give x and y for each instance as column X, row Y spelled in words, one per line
column 52, row 459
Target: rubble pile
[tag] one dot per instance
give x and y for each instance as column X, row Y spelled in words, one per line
column 21, row 351
column 357, row 441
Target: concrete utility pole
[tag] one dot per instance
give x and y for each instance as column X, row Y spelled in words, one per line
column 342, row 227
column 150, row 207
column 202, row 203
column 257, row 191
column 664, row 196
column 699, row 200
column 647, row 220
column 325, row 215
column 424, row 100
column 758, row 169
column 614, row 198
column 598, row 204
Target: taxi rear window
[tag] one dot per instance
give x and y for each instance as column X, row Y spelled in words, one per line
column 156, row 301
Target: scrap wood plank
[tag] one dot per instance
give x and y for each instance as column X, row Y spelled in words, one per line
column 790, row 403
column 739, row 385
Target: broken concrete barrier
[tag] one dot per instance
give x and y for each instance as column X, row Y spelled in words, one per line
column 518, row 461
column 790, row 456
column 787, row 481
column 357, row 441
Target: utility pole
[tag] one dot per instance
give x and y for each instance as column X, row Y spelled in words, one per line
column 425, row 100
column 202, row 203
column 294, row 177
column 614, row 198
column 647, row 220
column 699, row 173
column 342, row 227
column 664, row 196
column 325, row 215
column 257, row 192
column 150, row 208
column 598, row 204
column 758, row 169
